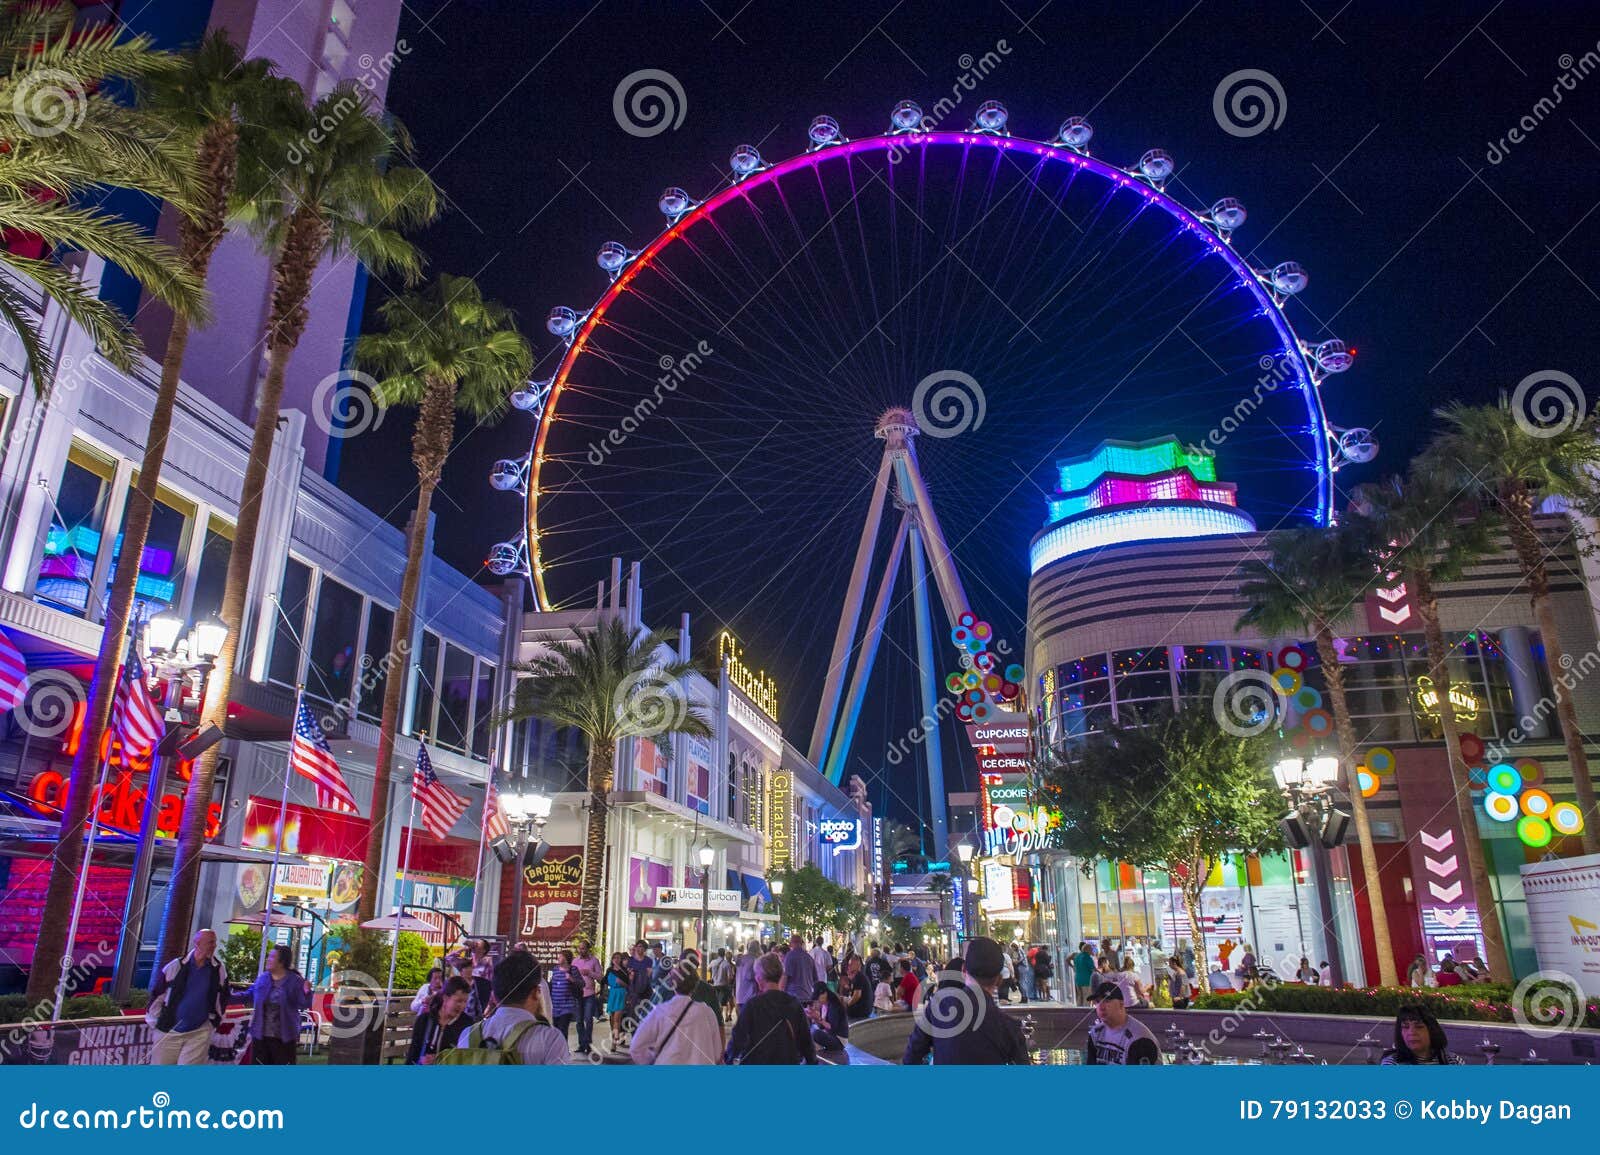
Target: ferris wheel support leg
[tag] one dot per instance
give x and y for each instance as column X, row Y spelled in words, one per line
column 931, row 720
column 839, row 750
column 855, row 594
column 951, row 591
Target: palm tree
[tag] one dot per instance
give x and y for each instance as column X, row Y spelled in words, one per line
column 940, row 886
column 344, row 193
column 445, row 349
column 610, row 684
column 65, row 142
column 1311, row 581
column 218, row 106
column 1516, row 466
column 1423, row 529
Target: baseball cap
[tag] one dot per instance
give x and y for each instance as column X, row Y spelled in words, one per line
column 1106, row 991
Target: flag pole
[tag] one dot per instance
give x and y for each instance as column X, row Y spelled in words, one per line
column 83, row 878
column 277, row 837
column 405, row 870
column 483, row 837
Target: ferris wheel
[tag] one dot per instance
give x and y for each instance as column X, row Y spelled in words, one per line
column 713, row 408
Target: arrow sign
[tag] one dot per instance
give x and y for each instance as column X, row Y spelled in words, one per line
column 1393, row 595
column 1442, row 842
column 1442, row 869
column 1445, row 893
column 1451, row 918
column 1395, row 617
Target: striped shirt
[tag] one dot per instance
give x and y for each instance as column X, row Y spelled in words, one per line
column 561, row 994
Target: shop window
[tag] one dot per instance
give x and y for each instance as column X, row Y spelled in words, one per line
column 212, row 575
column 73, row 541
column 427, row 676
column 288, row 625
column 482, row 711
column 455, row 699
column 160, row 581
column 650, row 767
column 374, row 662
column 1200, row 670
column 331, row 674
column 697, row 776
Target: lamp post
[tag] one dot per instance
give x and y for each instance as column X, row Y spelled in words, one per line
column 707, row 857
column 526, row 813
column 1313, row 823
column 175, row 661
column 964, row 853
column 777, row 902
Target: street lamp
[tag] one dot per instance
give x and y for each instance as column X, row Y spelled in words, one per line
column 176, row 660
column 1314, row 824
column 707, row 857
column 777, row 901
column 964, row 853
column 526, row 814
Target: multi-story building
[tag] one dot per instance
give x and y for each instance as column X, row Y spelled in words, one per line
column 1135, row 604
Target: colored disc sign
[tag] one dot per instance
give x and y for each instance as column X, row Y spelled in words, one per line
column 1531, row 769
column 1500, row 807
column 1504, row 778
column 1535, row 832
column 1380, row 760
column 1566, row 818
column 1536, row 803
column 1014, row 673
column 1292, row 658
column 1288, row 681
column 968, row 619
column 1472, row 748
column 955, row 683
column 1317, row 722
column 1308, row 698
column 1368, row 782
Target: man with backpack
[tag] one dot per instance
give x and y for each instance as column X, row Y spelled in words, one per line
column 514, row 1034
column 772, row 1029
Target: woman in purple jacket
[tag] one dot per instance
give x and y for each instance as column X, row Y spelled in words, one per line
column 280, row 993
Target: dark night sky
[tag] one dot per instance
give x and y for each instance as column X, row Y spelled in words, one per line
column 1453, row 276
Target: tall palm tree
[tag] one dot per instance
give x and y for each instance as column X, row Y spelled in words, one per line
column 446, row 349
column 65, row 142
column 1424, row 529
column 608, row 683
column 1516, row 466
column 1312, row 580
column 218, row 105
column 345, row 191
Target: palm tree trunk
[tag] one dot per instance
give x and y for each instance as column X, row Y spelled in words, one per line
column 602, row 764
column 197, row 241
column 430, row 445
column 1333, row 675
column 1530, row 553
column 302, row 249
column 1494, row 943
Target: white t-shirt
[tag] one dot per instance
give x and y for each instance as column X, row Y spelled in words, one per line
column 1111, row 1046
column 824, row 961
column 697, row 1039
column 883, row 998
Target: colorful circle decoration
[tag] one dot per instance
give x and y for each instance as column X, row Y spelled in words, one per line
column 1317, row 723
column 981, row 712
column 974, row 697
column 1472, row 748
column 993, row 682
column 963, row 711
column 971, row 679
column 1477, row 779
column 1288, row 681
column 1536, row 803
column 1531, row 769
column 1535, row 832
column 1504, row 778
column 1014, row 672
column 961, row 635
column 1380, row 760
column 1009, row 691
column 1566, row 818
column 1368, row 782
column 984, row 661
column 982, row 631
column 1308, row 698
column 1500, row 807
column 968, row 619
column 955, row 683
column 1300, row 739
column 1292, row 658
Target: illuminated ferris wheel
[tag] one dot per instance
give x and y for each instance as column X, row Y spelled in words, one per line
column 714, row 407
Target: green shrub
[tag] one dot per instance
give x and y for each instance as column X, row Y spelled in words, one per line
column 1481, row 1002
column 241, row 954
column 367, row 952
column 18, row 1008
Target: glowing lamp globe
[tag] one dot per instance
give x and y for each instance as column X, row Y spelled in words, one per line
column 1534, row 832
column 162, row 632
column 1504, row 778
column 1566, row 818
column 1500, row 807
column 209, row 636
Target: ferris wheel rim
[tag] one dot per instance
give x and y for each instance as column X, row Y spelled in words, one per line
column 1306, row 379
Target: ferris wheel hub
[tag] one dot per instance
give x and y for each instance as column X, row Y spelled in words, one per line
column 895, row 422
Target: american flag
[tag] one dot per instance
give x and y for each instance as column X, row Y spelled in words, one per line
column 135, row 717
column 13, row 674
column 441, row 806
column 494, row 819
column 312, row 758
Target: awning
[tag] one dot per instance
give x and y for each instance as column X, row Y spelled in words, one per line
column 753, row 889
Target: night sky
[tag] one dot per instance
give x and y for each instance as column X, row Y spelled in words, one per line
column 1454, row 273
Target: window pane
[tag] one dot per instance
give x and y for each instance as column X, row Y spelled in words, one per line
column 422, row 716
column 483, row 709
column 73, row 540
column 161, row 563
column 380, row 628
column 455, row 695
column 331, row 675
column 213, row 573
column 292, row 594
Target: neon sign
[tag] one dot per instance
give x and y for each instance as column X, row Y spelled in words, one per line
column 758, row 687
column 780, row 819
column 840, row 833
column 1463, row 700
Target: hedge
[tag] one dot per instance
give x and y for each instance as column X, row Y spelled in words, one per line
column 1481, row 1002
